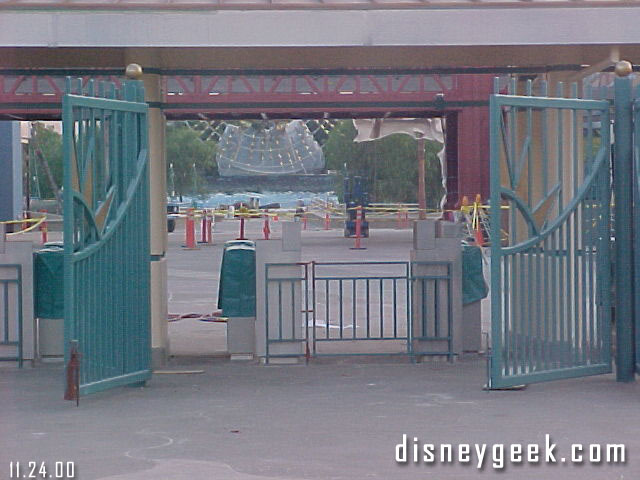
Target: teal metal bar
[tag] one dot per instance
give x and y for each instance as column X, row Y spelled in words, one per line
column 496, row 361
column 623, row 192
column 326, row 310
column 5, row 301
column 436, row 309
column 354, row 301
column 410, row 313
column 547, row 308
column 395, row 308
column 280, row 310
column 636, row 226
column 507, row 351
column 548, row 102
column 314, row 306
column 577, row 180
column 381, row 304
column 529, row 126
column 341, row 301
column 368, row 303
column 545, row 147
column 423, row 310
column 293, row 310
column 520, row 332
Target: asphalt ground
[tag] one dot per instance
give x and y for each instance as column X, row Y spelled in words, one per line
column 330, row 419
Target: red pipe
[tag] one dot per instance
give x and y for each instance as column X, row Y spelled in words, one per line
column 241, row 237
column 203, row 228
column 266, row 230
column 210, row 229
column 357, row 245
column 44, row 228
column 190, row 230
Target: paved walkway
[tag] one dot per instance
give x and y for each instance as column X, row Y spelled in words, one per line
column 331, row 419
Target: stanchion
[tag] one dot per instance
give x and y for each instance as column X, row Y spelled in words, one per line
column 304, row 221
column 204, row 228
column 357, row 245
column 210, row 228
column 241, row 237
column 44, row 228
column 406, row 219
column 266, row 230
column 478, row 236
column 327, row 221
column 190, row 231
column 400, row 220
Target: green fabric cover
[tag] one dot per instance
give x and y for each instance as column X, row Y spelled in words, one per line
column 474, row 287
column 237, row 290
column 48, row 283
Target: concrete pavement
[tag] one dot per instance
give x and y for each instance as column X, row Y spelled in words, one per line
column 332, row 419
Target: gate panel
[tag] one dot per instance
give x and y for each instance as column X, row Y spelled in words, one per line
column 106, row 234
column 550, row 206
column 362, row 308
column 636, row 225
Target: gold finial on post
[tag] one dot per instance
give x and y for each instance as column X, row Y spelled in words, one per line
column 623, row 68
column 133, row 71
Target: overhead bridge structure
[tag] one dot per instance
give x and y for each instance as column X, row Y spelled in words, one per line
column 301, row 59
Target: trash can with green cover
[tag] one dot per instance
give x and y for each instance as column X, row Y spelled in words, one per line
column 474, row 289
column 237, row 297
column 48, row 266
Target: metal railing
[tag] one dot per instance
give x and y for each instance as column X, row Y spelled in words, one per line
column 359, row 308
column 433, row 312
column 372, row 305
column 11, row 286
column 286, row 293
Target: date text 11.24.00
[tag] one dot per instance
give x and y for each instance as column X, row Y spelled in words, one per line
column 41, row 470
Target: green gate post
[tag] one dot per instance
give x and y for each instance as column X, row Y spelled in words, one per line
column 623, row 190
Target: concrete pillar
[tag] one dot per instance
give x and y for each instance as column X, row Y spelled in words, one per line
column 283, row 309
column 158, row 212
column 436, row 241
column 158, row 221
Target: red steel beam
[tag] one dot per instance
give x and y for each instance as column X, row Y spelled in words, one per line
column 252, row 93
column 306, row 96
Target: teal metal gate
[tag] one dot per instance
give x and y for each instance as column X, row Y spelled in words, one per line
column 360, row 308
column 106, row 233
column 550, row 205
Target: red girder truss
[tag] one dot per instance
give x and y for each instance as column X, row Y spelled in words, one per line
column 460, row 98
column 221, row 95
column 306, row 94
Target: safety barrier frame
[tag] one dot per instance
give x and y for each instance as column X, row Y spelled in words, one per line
column 6, row 340
column 319, row 281
column 282, row 336
column 317, row 288
column 436, row 323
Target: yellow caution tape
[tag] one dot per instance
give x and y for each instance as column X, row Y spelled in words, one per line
column 36, row 223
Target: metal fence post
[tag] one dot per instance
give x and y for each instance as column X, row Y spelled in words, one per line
column 622, row 183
